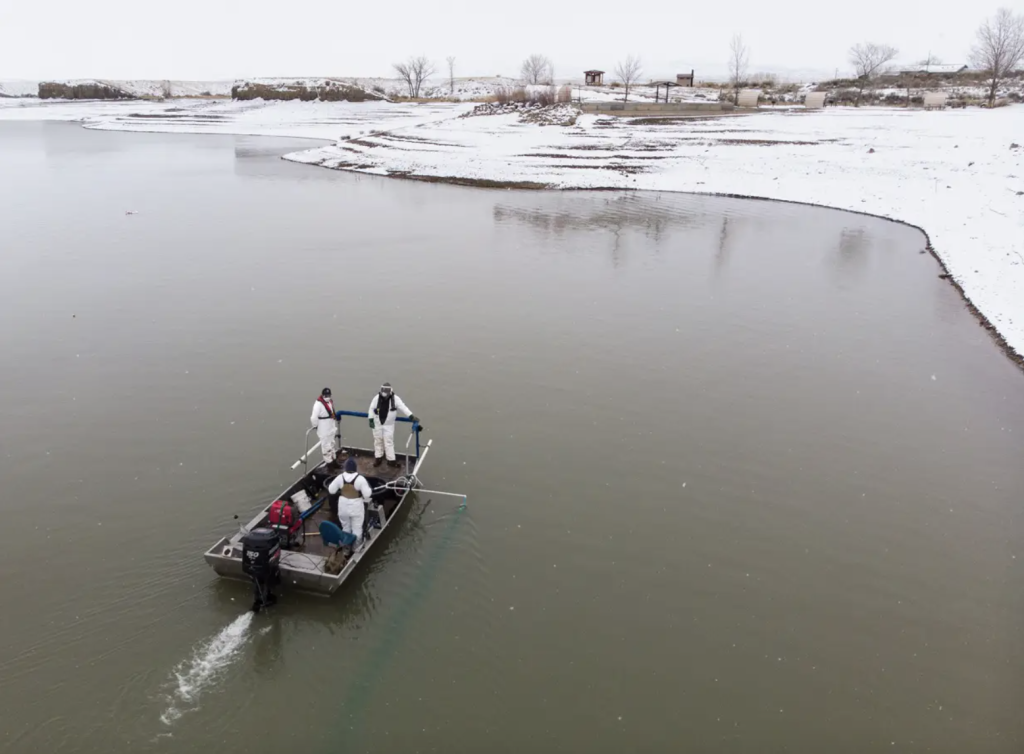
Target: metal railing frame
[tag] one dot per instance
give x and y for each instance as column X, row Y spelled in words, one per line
column 363, row 415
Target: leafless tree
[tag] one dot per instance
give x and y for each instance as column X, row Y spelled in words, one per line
column 414, row 72
column 537, row 69
column 739, row 57
column 451, row 74
column 1000, row 47
column 628, row 72
column 868, row 60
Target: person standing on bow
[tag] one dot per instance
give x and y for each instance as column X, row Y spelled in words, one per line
column 383, row 409
column 354, row 494
column 323, row 418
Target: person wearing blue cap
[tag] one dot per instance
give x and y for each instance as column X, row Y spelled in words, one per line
column 354, row 493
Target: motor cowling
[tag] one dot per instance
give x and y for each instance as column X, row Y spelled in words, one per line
column 261, row 554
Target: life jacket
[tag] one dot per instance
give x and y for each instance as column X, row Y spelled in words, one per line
column 329, row 405
column 348, row 489
column 383, row 415
column 285, row 515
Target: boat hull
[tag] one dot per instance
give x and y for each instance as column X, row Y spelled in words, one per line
column 302, row 569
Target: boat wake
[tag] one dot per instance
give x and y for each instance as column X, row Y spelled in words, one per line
column 208, row 662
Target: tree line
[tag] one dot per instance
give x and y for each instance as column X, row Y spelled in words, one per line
column 998, row 50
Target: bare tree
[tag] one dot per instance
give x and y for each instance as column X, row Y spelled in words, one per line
column 739, row 57
column 1000, row 48
column 451, row 74
column 537, row 69
column 414, row 72
column 868, row 60
column 628, row 72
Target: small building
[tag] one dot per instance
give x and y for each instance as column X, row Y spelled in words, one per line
column 594, row 78
column 684, row 79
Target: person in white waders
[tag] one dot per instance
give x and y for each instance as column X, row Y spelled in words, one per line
column 326, row 425
column 356, row 493
column 383, row 410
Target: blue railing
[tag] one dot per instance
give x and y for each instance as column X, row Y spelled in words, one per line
column 364, row 415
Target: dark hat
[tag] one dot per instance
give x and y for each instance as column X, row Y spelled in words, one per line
column 350, row 464
column 326, row 392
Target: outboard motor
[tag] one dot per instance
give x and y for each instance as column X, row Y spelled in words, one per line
column 261, row 561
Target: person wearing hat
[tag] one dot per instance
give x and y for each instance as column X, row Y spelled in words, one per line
column 354, row 493
column 382, row 413
column 323, row 418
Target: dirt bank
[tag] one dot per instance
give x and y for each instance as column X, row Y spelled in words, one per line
column 324, row 90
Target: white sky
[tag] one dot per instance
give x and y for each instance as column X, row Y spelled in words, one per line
column 224, row 39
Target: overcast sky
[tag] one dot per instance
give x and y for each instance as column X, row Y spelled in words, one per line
column 223, row 39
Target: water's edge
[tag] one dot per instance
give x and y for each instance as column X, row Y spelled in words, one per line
column 481, row 183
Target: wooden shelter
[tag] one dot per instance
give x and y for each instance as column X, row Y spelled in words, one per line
column 594, row 78
column 684, row 79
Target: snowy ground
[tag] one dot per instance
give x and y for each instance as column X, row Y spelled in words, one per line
column 18, row 88
column 480, row 88
column 958, row 174
column 328, row 121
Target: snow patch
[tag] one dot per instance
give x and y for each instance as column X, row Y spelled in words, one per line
column 18, row 88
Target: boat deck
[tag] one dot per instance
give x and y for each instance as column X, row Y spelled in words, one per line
column 302, row 562
column 311, row 544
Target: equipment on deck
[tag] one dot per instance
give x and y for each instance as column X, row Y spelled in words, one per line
column 284, row 518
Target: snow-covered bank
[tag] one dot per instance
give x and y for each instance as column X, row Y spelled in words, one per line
column 18, row 88
column 139, row 88
column 127, row 88
column 310, row 120
column 959, row 175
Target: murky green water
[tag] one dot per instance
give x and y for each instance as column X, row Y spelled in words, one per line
column 742, row 477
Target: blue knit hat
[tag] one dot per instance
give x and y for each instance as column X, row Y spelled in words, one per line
column 350, row 464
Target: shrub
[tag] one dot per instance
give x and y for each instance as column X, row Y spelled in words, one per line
column 544, row 97
column 565, row 94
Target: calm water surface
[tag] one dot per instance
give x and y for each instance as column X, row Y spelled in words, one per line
column 742, row 477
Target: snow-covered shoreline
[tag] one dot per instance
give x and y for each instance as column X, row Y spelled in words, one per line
column 954, row 174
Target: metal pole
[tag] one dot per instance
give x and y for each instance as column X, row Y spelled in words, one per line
column 309, row 450
column 432, row 492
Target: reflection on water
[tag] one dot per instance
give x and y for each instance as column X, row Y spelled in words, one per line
column 651, row 215
column 854, row 248
column 722, row 252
